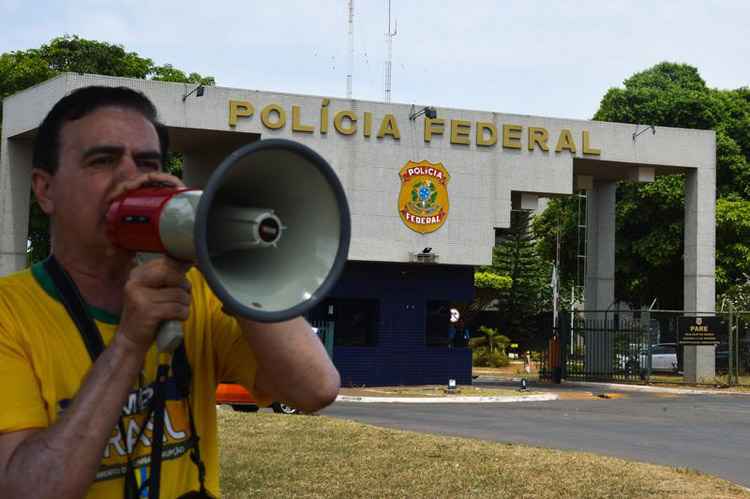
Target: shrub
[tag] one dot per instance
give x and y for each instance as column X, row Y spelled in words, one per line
column 483, row 357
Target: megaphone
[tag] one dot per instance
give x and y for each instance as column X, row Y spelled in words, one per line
column 270, row 232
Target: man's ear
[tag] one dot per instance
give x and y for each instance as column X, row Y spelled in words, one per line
column 41, row 184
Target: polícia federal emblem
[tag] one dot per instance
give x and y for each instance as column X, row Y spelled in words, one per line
column 423, row 199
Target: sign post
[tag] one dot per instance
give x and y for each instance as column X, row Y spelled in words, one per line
column 698, row 336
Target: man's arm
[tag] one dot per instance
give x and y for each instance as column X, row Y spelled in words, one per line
column 293, row 366
column 61, row 461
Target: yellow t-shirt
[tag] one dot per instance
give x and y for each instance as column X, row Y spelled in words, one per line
column 43, row 361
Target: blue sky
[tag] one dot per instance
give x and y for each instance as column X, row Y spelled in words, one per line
column 526, row 57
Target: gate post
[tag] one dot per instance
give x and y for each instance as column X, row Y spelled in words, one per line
column 564, row 328
column 646, row 323
column 732, row 334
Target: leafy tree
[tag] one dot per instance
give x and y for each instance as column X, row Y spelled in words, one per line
column 25, row 68
column 650, row 217
column 488, row 287
column 169, row 73
column 516, row 255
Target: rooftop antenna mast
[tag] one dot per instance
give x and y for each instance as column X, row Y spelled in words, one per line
column 351, row 51
column 389, row 43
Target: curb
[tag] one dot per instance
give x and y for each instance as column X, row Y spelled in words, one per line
column 652, row 389
column 542, row 397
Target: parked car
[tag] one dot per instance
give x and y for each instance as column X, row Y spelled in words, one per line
column 242, row 400
column 663, row 359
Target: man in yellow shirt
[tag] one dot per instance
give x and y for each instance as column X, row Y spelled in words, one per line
column 73, row 427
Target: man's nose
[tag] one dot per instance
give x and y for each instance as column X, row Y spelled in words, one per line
column 128, row 167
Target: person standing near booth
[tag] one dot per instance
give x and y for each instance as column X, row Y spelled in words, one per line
column 77, row 352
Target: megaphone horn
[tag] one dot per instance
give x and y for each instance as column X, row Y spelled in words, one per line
column 270, row 232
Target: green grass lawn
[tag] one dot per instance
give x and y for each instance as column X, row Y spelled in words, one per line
column 269, row 455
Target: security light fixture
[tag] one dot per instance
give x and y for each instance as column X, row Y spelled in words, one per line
column 637, row 133
column 198, row 91
column 428, row 111
column 427, row 255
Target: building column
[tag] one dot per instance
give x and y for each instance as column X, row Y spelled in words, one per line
column 15, row 189
column 700, row 281
column 600, row 245
column 700, row 240
column 600, row 276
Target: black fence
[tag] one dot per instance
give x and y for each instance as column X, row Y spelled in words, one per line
column 641, row 346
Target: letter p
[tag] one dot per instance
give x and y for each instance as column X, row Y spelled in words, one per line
column 239, row 109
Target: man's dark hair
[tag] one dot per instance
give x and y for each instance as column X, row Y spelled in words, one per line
column 82, row 102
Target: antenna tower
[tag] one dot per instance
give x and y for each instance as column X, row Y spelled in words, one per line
column 351, row 50
column 389, row 44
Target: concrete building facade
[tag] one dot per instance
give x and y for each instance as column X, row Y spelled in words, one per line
column 490, row 163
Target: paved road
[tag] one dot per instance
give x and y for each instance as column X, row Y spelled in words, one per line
column 710, row 433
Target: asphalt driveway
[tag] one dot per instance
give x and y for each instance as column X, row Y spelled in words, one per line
column 710, row 433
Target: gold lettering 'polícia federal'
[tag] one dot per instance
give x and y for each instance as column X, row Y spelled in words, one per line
column 239, row 109
column 587, row 149
column 434, row 126
column 512, row 136
column 345, row 122
column 265, row 116
column 482, row 138
column 368, row 125
column 429, row 171
column 430, row 220
column 324, row 116
column 565, row 141
column 338, row 122
column 538, row 136
column 297, row 126
column 389, row 126
column 460, row 130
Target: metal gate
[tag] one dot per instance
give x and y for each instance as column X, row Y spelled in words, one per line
column 638, row 346
column 598, row 349
column 737, row 350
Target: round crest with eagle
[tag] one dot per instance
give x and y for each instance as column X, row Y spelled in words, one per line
column 423, row 199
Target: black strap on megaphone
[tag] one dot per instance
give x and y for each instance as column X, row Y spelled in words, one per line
column 92, row 339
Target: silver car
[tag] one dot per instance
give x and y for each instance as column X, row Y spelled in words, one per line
column 663, row 359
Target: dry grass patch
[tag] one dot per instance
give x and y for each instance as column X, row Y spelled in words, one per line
column 431, row 391
column 721, row 383
column 514, row 369
column 269, row 455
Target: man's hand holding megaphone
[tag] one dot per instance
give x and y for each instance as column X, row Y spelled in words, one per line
column 269, row 232
column 156, row 290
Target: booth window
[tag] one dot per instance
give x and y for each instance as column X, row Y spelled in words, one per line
column 437, row 323
column 355, row 321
